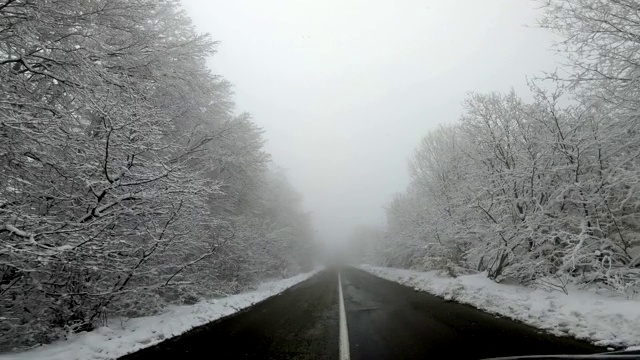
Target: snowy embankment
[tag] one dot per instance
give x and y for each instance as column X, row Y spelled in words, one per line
column 126, row 336
column 603, row 320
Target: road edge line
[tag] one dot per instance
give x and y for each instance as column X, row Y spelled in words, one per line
column 344, row 334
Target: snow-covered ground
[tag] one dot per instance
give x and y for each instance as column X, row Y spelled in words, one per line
column 126, row 336
column 601, row 319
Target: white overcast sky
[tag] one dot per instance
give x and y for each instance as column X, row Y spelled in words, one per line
column 345, row 89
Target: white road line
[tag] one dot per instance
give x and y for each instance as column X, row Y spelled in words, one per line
column 344, row 334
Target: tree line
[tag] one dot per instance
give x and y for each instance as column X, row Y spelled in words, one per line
column 543, row 191
column 127, row 179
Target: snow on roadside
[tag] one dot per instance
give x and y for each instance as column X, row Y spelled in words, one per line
column 121, row 338
column 602, row 320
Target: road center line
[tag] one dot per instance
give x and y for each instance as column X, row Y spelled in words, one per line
column 344, row 334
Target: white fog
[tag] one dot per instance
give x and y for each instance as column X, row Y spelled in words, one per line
column 345, row 90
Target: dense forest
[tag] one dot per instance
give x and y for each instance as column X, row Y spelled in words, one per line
column 127, row 180
column 544, row 191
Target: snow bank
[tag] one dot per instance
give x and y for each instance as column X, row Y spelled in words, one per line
column 126, row 336
column 602, row 320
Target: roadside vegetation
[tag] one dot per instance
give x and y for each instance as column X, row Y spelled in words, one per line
column 543, row 191
column 127, row 179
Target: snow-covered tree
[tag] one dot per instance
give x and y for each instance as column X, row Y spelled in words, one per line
column 535, row 192
column 544, row 192
column 123, row 168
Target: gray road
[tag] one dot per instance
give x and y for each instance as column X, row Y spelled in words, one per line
column 390, row 321
column 384, row 321
column 300, row 323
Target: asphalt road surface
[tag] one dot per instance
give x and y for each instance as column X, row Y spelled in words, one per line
column 384, row 320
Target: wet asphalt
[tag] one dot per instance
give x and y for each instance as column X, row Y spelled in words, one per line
column 385, row 320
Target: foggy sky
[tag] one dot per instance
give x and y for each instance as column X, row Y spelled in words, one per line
column 345, row 89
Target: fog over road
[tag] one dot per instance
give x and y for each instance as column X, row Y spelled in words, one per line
column 384, row 320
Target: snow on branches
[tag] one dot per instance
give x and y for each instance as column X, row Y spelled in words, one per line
column 545, row 192
column 123, row 169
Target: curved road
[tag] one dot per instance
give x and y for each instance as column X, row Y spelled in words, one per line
column 384, row 320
